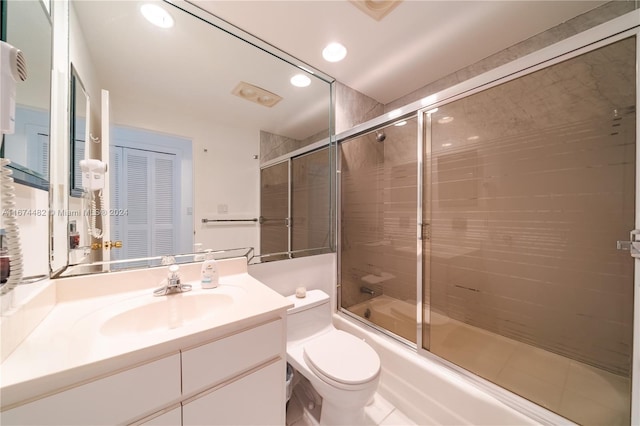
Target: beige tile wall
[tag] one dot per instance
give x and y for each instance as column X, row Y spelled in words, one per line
column 379, row 209
column 525, row 218
column 274, row 207
column 310, row 204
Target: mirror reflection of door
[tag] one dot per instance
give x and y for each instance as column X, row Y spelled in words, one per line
column 295, row 206
column 143, row 203
column 310, row 202
column 146, row 193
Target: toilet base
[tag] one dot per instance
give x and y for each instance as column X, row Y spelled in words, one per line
column 320, row 412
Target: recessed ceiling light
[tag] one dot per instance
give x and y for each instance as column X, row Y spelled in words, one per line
column 156, row 15
column 445, row 120
column 300, row 80
column 334, row 52
column 401, row 123
column 265, row 99
column 247, row 92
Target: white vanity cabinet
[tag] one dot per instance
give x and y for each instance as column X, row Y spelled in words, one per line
column 255, row 399
column 115, row 399
column 236, row 378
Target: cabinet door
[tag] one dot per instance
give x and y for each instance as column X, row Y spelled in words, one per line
column 115, row 399
column 256, row 399
column 207, row 365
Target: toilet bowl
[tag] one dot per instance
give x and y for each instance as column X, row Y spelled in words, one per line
column 343, row 369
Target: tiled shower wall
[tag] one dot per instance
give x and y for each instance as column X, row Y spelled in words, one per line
column 274, row 208
column 310, row 202
column 308, row 185
column 274, row 146
column 378, row 218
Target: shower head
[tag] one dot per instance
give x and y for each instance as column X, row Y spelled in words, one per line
column 380, row 136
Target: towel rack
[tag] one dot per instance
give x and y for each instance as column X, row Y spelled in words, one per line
column 260, row 219
column 255, row 219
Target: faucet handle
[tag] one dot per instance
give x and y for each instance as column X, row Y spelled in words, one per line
column 173, row 277
column 168, row 260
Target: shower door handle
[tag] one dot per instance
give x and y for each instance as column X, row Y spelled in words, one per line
column 633, row 245
column 424, row 231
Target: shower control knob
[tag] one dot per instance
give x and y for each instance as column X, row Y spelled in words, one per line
column 301, row 292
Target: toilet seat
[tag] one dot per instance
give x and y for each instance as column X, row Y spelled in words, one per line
column 342, row 359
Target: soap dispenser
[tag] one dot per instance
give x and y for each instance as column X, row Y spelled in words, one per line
column 209, row 273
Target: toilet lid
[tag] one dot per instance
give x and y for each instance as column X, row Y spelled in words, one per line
column 343, row 357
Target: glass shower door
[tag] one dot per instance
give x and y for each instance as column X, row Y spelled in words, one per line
column 274, row 210
column 528, row 187
column 379, row 202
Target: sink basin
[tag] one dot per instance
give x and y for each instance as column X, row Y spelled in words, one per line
column 149, row 314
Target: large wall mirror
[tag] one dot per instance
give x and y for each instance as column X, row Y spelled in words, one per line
column 183, row 118
column 27, row 26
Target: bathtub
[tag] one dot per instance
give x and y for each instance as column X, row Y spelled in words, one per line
column 397, row 316
column 432, row 391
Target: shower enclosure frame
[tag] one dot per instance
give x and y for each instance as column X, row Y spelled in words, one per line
column 612, row 31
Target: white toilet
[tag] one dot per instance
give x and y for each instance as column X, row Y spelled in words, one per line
column 343, row 369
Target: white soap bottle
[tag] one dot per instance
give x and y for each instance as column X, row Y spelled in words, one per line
column 209, row 276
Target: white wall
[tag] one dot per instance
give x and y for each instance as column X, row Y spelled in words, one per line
column 81, row 60
column 312, row 272
column 224, row 170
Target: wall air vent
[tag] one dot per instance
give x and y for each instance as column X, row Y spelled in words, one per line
column 377, row 9
column 256, row 94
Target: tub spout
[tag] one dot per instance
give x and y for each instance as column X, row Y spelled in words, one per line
column 367, row 290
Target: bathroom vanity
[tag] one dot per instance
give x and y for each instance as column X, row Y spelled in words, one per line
column 104, row 356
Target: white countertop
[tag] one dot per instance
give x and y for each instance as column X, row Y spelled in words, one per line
column 69, row 348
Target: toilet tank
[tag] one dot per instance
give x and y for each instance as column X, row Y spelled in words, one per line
column 310, row 315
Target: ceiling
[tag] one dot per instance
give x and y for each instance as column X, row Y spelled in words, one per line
column 417, row 43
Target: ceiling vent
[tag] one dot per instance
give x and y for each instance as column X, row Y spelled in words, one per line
column 377, row 9
column 256, row 94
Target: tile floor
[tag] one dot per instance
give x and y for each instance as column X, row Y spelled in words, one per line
column 378, row 413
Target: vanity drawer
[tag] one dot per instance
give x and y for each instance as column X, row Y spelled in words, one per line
column 215, row 362
column 256, row 399
column 115, row 399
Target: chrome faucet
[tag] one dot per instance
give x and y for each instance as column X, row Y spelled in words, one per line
column 367, row 290
column 172, row 284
